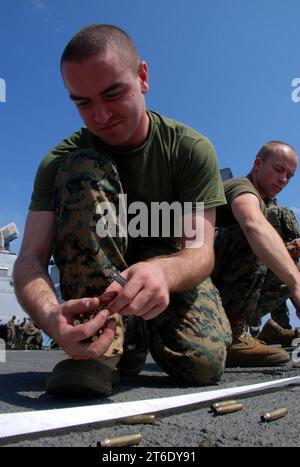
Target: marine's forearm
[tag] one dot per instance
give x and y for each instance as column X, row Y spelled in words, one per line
column 34, row 289
column 268, row 246
column 187, row 268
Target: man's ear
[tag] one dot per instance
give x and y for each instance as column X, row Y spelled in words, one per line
column 143, row 77
column 257, row 163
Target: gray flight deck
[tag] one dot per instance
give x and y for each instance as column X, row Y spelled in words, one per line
column 22, row 387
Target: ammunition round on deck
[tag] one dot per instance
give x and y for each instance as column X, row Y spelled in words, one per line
column 228, row 409
column 274, row 415
column 121, row 441
column 216, row 405
column 206, row 443
column 138, row 419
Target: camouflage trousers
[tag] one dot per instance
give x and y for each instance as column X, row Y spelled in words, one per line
column 247, row 288
column 189, row 339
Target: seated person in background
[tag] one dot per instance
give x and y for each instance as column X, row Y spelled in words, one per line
column 34, row 337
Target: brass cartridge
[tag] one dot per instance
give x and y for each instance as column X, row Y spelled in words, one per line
column 229, row 409
column 138, row 419
column 274, row 415
column 121, row 441
column 216, row 405
column 206, row 443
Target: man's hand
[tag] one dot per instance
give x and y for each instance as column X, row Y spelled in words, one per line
column 294, row 248
column 71, row 337
column 146, row 294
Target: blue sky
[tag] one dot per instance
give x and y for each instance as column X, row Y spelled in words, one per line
column 224, row 67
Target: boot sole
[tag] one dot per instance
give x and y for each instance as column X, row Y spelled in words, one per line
column 81, row 378
column 271, row 360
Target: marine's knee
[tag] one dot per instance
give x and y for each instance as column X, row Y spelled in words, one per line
column 198, row 370
column 205, row 370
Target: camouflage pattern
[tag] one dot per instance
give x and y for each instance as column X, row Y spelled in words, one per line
column 247, row 288
column 281, row 316
column 285, row 222
column 273, row 300
column 83, row 181
column 238, row 274
column 34, row 339
column 11, row 330
column 189, row 339
column 193, row 349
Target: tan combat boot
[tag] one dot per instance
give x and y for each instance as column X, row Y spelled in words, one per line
column 273, row 333
column 89, row 378
column 246, row 351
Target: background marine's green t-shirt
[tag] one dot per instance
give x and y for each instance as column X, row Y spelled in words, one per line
column 175, row 164
column 234, row 187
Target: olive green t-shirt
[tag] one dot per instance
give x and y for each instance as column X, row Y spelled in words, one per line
column 175, row 164
column 234, row 187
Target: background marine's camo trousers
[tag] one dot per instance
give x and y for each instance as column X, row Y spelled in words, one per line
column 286, row 224
column 247, row 288
column 189, row 339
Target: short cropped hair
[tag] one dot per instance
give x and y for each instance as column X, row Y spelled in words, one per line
column 269, row 149
column 97, row 38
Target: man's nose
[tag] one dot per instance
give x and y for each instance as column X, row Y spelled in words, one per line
column 102, row 114
column 283, row 179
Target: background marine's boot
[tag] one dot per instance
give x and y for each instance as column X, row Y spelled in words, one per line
column 273, row 333
column 246, row 351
